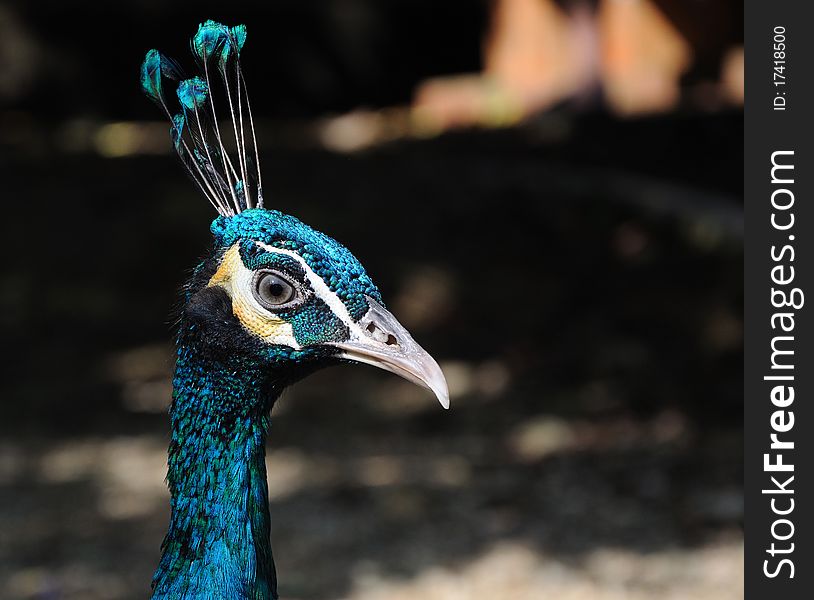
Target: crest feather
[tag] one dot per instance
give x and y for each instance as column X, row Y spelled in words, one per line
column 231, row 182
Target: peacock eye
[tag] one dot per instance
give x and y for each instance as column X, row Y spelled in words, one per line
column 272, row 290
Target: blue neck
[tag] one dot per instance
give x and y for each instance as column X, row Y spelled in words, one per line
column 218, row 542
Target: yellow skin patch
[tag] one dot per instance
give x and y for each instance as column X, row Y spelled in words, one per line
column 233, row 276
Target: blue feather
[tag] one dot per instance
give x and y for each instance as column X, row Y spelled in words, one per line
column 151, row 75
column 177, row 130
column 240, row 191
column 237, row 37
column 155, row 67
column 192, row 93
column 195, row 131
column 211, row 37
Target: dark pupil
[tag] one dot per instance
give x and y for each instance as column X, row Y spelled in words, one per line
column 275, row 290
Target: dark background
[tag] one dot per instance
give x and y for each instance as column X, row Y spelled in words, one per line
column 578, row 276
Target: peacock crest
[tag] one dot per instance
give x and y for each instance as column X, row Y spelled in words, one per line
column 272, row 302
column 231, row 181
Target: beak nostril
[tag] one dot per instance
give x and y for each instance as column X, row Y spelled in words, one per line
column 378, row 339
column 380, row 335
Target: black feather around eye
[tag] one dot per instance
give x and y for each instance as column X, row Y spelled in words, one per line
column 210, row 310
column 209, row 304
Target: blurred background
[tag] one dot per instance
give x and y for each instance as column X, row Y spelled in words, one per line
column 547, row 193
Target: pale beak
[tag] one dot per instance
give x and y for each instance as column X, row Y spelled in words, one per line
column 381, row 341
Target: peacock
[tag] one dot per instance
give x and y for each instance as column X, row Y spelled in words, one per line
column 273, row 301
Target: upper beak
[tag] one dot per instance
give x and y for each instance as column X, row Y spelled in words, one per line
column 381, row 341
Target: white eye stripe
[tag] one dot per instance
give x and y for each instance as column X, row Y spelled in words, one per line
column 238, row 281
column 321, row 289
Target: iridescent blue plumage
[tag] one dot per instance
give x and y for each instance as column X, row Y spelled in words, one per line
column 217, row 545
column 333, row 262
column 151, row 75
column 274, row 301
column 210, row 39
column 177, row 130
column 154, row 70
column 231, row 183
column 214, row 38
column 192, row 93
column 237, row 39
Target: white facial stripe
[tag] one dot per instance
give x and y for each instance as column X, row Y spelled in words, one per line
column 284, row 333
column 321, row 289
column 238, row 281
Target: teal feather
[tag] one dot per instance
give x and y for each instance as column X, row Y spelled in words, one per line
column 177, row 130
column 209, row 39
column 151, row 75
column 215, row 38
column 196, row 133
column 155, row 68
column 237, row 37
column 240, row 190
column 199, row 156
column 192, row 93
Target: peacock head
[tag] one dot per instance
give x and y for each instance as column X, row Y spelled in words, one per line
column 279, row 294
column 275, row 292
